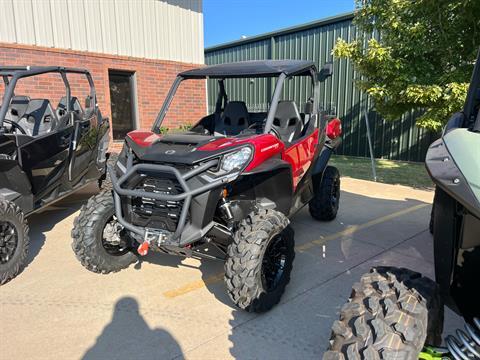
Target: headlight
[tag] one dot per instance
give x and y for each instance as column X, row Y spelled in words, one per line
column 236, row 160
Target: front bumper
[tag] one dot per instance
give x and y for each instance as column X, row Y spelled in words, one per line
column 184, row 232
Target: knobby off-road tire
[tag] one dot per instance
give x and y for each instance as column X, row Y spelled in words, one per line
column 248, row 268
column 14, row 239
column 87, row 235
column 326, row 199
column 391, row 314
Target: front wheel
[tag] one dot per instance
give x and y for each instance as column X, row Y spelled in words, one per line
column 391, row 314
column 98, row 240
column 260, row 261
column 14, row 241
column 326, row 198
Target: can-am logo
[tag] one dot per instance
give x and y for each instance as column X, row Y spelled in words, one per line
column 170, row 152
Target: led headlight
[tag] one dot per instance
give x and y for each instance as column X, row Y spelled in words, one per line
column 236, row 160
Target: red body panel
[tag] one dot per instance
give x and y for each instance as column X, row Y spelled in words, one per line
column 143, row 138
column 300, row 156
column 334, row 128
column 265, row 146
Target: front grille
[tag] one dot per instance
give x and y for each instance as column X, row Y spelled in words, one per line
column 158, row 214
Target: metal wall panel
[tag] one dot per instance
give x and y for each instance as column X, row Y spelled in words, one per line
column 155, row 29
column 400, row 139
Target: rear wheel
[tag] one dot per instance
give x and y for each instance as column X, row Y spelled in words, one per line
column 260, row 261
column 326, row 199
column 14, row 241
column 391, row 314
column 98, row 240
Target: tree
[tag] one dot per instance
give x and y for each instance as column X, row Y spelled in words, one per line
column 423, row 59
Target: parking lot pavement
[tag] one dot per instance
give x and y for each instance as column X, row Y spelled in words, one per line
column 166, row 307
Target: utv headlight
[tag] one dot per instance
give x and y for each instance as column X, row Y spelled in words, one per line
column 236, row 160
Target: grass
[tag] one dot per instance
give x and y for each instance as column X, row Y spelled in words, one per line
column 388, row 171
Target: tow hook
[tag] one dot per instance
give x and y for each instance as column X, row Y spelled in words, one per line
column 143, row 248
column 145, row 245
column 157, row 236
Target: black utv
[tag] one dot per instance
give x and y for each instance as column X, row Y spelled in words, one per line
column 395, row 313
column 226, row 188
column 46, row 153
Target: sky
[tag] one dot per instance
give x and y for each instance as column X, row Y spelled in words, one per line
column 229, row 20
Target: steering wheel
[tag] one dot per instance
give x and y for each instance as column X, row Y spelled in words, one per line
column 16, row 126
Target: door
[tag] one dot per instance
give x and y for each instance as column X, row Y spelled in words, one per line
column 300, row 155
column 123, row 103
column 84, row 144
column 45, row 158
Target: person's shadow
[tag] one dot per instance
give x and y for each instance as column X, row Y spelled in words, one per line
column 128, row 336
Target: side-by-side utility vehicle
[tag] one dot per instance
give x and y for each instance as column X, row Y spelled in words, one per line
column 46, row 152
column 398, row 314
column 226, row 188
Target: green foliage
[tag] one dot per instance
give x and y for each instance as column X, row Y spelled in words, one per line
column 424, row 58
column 164, row 130
column 185, row 127
column 182, row 128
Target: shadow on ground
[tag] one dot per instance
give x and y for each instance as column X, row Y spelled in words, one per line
column 128, row 336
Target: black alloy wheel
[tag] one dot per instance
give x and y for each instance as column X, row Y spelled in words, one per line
column 274, row 261
column 8, row 241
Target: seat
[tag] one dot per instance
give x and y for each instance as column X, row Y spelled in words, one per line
column 74, row 106
column 17, row 108
column 287, row 121
column 234, row 119
column 39, row 118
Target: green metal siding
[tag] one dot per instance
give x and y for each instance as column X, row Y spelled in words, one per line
column 399, row 140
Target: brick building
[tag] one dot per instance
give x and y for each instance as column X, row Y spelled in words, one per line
column 133, row 49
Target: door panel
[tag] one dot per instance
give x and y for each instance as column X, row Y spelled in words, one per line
column 300, row 155
column 84, row 145
column 45, row 158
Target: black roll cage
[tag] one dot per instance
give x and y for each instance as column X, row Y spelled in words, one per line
column 11, row 75
column 273, row 102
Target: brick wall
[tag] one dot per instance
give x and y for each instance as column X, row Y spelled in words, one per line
column 153, row 80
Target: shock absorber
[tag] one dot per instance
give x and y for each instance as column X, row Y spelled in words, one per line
column 466, row 345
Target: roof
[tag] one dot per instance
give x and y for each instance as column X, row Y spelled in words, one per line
column 36, row 70
column 266, row 36
column 256, row 68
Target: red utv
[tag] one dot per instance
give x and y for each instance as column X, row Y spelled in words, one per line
column 228, row 185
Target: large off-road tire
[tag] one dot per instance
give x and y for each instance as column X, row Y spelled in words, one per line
column 105, row 183
column 88, row 237
column 326, row 199
column 260, row 261
column 14, row 241
column 391, row 314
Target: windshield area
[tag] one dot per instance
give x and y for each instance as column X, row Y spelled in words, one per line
column 240, row 107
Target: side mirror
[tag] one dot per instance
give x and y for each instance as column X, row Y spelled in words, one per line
column 325, row 72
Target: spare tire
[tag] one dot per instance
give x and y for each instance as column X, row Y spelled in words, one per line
column 391, row 314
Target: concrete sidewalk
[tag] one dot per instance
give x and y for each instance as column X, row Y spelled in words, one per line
column 166, row 307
